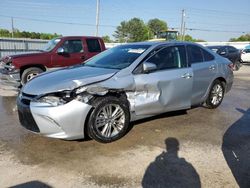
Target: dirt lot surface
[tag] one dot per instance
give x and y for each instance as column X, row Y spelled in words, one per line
column 196, row 148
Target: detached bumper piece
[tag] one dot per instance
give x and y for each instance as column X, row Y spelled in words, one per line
column 9, row 79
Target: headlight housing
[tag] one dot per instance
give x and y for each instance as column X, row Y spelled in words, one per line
column 52, row 100
column 55, row 99
column 82, row 94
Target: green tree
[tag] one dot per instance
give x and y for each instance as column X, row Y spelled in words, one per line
column 242, row 38
column 191, row 39
column 26, row 34
column 121, row 33
column 5, row 33
column 134, row 30
column 107, row 39
column 156, row 26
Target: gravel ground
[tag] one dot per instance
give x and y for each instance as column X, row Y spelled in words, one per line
column 194, row 148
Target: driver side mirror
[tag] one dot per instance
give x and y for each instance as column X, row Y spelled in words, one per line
column 149, row 67
column 60, row 51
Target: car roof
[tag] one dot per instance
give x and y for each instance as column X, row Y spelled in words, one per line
column 86, row 37
column 156, row 43
column 215, row 46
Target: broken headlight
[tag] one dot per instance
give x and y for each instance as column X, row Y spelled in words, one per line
column 52, row 100
column 56, row 99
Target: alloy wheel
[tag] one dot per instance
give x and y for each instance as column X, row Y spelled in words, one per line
column 110, row 120
column 31, row 76
column 216, row 94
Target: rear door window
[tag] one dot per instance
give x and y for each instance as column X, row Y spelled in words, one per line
column 93, row 45
column 231, row 49
column 207, row 56
column 195, row 54
column 222, row 51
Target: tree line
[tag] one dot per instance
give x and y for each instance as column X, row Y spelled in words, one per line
column 241, row 38
column 26, row 34
column 133, row 30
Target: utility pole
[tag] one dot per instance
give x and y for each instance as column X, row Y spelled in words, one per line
column 182, row 24
column 97, row 16
column 184, row 30
column 12, row 27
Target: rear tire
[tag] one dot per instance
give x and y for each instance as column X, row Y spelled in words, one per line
column 109, row 120
column 216, row 94
column 237, row 65
column 29, row 73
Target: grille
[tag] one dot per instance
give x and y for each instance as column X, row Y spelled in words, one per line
column 27, row 120
column 24, row 113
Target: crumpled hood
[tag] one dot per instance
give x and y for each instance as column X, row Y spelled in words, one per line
column 66, row 79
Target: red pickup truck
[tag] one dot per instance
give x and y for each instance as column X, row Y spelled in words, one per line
column 59, row 52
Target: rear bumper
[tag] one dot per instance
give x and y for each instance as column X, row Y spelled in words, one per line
column 229, row 84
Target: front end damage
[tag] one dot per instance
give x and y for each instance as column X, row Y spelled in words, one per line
column 62, row 114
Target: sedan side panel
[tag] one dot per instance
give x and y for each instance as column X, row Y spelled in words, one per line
column 162, row 91
column 204, row 74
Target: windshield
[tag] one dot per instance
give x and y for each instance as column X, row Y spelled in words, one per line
column 117, row 58
column 51, row 45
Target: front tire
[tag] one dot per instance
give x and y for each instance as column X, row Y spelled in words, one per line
column 109, row 120
column 29, row 73
column 216, row 95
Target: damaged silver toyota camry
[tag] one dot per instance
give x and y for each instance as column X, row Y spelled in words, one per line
column 126, row 83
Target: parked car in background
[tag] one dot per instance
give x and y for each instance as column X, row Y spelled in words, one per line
column 245, row 55
column 59, row 52
column 123, row 84
column 229, row 52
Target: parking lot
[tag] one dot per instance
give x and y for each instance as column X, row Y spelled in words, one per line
column 194, row 148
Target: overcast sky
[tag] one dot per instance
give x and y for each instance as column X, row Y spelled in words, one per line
column 211, row 20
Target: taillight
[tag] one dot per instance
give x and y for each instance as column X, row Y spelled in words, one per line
column 231, row 66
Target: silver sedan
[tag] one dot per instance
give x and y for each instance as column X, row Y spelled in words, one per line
column 126, row 83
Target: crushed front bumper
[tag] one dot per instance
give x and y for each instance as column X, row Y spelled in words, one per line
column 64, row 122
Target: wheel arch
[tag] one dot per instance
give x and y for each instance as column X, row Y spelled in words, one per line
column 113, row 93
column 30, row 66
column 221, row 79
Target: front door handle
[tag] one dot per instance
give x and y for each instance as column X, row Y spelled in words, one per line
column 212, row 67
column 187, row 75
column 83, row 57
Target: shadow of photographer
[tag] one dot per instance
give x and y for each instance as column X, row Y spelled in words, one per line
column 168, row 170
column 236, row 149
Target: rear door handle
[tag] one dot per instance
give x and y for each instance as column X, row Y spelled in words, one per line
column 187, row 75
column 212, row 67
